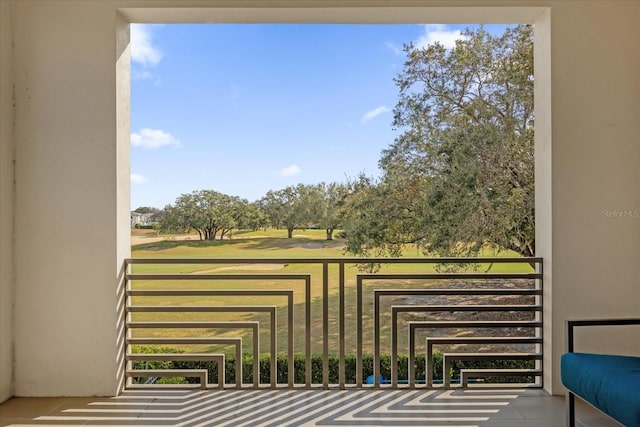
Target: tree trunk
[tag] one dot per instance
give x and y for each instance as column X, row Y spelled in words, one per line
column 289, row 233
column 329, row 233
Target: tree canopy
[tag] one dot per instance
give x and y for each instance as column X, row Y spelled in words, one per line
column 146, row 209
column 206, row 211
column 460, row 175
column 329, row 210
column 288, row 208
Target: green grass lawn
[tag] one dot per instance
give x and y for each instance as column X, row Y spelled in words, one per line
column 274, row 244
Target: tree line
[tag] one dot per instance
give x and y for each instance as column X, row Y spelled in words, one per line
column 213, row 214
column 459, row 177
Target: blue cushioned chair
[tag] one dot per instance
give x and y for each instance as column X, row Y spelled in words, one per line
column 610, row 383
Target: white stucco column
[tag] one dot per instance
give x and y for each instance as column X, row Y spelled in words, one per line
column 72, row 196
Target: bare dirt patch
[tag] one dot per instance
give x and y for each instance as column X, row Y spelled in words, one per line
column 480, row 316
column 141, row 240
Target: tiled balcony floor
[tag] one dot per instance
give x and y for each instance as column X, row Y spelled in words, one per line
column 465, row 408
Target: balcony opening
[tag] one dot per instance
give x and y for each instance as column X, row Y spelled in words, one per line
column 300, row 304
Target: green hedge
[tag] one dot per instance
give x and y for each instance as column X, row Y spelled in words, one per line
column 334, row 363
column 299, row 368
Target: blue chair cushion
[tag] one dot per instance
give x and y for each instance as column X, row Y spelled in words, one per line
column 610, row 383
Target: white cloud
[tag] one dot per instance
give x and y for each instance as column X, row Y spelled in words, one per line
column 291, row 170
column 439, row 33
column 153, row 138
column 393, row 47
column 138, row 179
column 142, row 49
column 375, row 113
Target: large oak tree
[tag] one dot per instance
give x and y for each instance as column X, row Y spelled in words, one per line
column 460, row 175
column 206, row 211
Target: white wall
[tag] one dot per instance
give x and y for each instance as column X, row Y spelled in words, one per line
column 72, row 191
column 595, row 90
column 6, row 203
column 72, row 163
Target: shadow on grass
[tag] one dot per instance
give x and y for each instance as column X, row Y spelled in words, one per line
column 263, row 243
column 293, row 243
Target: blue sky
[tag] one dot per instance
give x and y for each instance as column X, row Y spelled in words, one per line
column 247, row 108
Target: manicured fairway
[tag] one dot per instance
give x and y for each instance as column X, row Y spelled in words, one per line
column 274, row 244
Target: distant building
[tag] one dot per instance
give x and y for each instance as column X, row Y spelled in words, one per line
column 141, row 219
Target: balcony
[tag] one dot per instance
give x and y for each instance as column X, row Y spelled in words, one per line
column 487, row 309
column 373, row 348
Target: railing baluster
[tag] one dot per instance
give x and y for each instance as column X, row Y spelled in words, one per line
column 307, row 331
column 394, row 349
column 342, row 321
column 290, row 349
column 325, row 325
column 411, row 369
column 376, row 340
column 256, row 355
column 359, row 366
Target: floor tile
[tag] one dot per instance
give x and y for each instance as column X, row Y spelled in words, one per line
column 540, row 407
column 251, row 408
column 28, row 407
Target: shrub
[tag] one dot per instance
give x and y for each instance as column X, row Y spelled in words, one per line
column 299, row 368
column 155, row 364
column 334, row 366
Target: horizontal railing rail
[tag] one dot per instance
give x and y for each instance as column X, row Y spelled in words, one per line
column 438, row 304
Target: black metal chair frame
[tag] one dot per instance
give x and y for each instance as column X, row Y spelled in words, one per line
column 570, row 325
